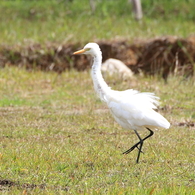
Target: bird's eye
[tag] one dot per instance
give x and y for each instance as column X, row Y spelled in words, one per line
column 87, row 49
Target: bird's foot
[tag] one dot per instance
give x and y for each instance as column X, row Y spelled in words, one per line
column 139, row 149
column 132, row 148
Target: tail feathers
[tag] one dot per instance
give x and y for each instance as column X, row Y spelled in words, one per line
column 163, row 123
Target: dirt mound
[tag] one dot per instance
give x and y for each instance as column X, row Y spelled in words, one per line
column 168, row 55
column 163, row 55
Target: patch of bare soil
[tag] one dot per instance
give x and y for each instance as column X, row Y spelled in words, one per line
column 187, row 124
column 163, row 55
column 5, row 184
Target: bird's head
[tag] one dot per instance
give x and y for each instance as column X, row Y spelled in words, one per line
column 90, row 49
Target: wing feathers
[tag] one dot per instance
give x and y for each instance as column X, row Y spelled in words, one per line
column 133, row 109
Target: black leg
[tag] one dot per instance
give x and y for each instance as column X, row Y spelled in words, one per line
column 140, row 147
column 139, row 143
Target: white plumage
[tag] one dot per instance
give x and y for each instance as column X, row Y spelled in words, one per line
column 130, row 108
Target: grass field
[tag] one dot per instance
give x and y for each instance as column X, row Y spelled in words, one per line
column 24, row 22
column 56, row 137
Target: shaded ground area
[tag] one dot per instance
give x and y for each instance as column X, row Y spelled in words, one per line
column 157, row 56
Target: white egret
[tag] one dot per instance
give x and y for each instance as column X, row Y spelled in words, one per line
column 130, row 108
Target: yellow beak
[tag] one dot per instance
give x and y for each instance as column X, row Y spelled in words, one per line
column 79, row 52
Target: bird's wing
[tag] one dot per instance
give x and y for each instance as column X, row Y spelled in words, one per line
column 135, row 99
column 135, row 109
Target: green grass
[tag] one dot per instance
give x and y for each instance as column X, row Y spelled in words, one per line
column 57, row 135
column 25, row 22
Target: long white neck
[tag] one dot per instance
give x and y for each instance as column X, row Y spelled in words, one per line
column 100, row 85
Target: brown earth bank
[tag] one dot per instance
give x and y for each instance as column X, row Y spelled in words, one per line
column 162, row 55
